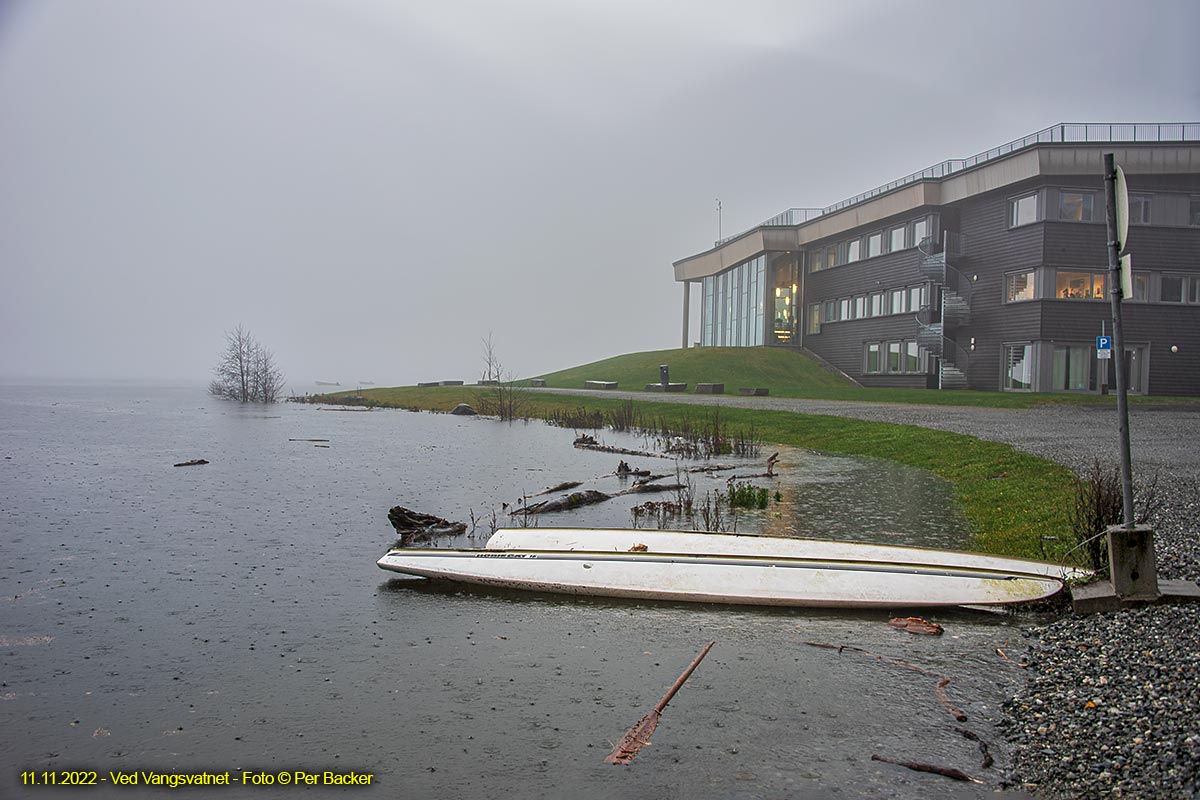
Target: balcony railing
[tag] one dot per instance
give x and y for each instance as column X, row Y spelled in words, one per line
column 1063, row 133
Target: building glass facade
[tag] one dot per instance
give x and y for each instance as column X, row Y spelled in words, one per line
column 731, row 312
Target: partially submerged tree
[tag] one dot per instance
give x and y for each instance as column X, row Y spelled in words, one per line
column 502, row 398
column 247, row 370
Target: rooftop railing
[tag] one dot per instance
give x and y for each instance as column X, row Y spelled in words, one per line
column 1062, row 133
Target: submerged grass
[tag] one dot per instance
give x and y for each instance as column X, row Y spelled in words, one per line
column 1011, row 499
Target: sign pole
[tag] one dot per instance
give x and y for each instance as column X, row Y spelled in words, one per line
column 1114, row 283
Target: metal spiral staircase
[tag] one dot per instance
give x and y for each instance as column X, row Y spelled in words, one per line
column 951, row 310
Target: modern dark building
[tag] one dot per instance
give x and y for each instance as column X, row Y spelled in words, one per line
column 989, row 272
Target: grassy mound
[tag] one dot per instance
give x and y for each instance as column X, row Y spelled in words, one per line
column 784, row 372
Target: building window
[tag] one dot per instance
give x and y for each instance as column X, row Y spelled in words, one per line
column 829, row 311
column 877, row 304
column 1194, row 211
column 852, row 250
column 894, row 360
column 912, row 357
column 872, row 362
column 1139, row 209
column 814, row 260
column 813, row 323
column 831, row 257
column 844, row 308
column 1023, row 210
column 732, row 310
column 1141, row 287
column 1018, row 287
column 1194, row 294
column 874, row 245
column 860, row 306
column 916, row 296
column 1075, row 206
column 1072, row 371
column 1172, row 288
column 920, row 231
column 1018, row 367
column 896, row 238
column 896, row 301
column 1079, row 285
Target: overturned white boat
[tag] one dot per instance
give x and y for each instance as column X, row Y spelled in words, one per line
column 738, row 569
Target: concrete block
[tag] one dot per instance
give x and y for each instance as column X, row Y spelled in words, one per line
column 1131, row 561
column 710, row 388
column 538, row 382
column 599, row 384
column 666, row 387
column 754, row 392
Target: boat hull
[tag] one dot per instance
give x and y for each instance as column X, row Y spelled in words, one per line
column 723, row 577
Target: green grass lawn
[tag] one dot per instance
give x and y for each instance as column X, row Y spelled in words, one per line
column 1011, row 499
column 788, row 373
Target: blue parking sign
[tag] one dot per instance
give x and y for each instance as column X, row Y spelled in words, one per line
column 1104, row 343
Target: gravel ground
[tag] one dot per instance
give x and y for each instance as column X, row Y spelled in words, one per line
column 1111, row 707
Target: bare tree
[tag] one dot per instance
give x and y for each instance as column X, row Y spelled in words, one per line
column 247, row 370
column 502, row 398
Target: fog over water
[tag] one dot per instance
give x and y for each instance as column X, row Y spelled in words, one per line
column 372, row 187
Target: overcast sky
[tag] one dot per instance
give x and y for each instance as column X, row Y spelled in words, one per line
column 372, row 187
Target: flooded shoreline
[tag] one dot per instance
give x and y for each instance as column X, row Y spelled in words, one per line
column 231, row 616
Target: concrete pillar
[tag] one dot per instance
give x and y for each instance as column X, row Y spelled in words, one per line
column 1132, row 567
column 687, row 307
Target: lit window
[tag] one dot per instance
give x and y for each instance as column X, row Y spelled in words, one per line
column 1023, row 210
column 874, row 245
column 873, row 365
column 896, row 239
column 1075, row 206
column 1079, row 285
column 1172, row 288
column 1018, row 287
column 1139, row 209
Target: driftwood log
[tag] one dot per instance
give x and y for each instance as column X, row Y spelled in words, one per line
column 573, row 500
column 414, row 526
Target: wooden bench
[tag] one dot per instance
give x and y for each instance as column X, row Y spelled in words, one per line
column 599, row 384
column 754, row 392
column 710, row 388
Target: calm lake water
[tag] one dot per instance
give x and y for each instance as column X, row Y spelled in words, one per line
column 230, row 617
